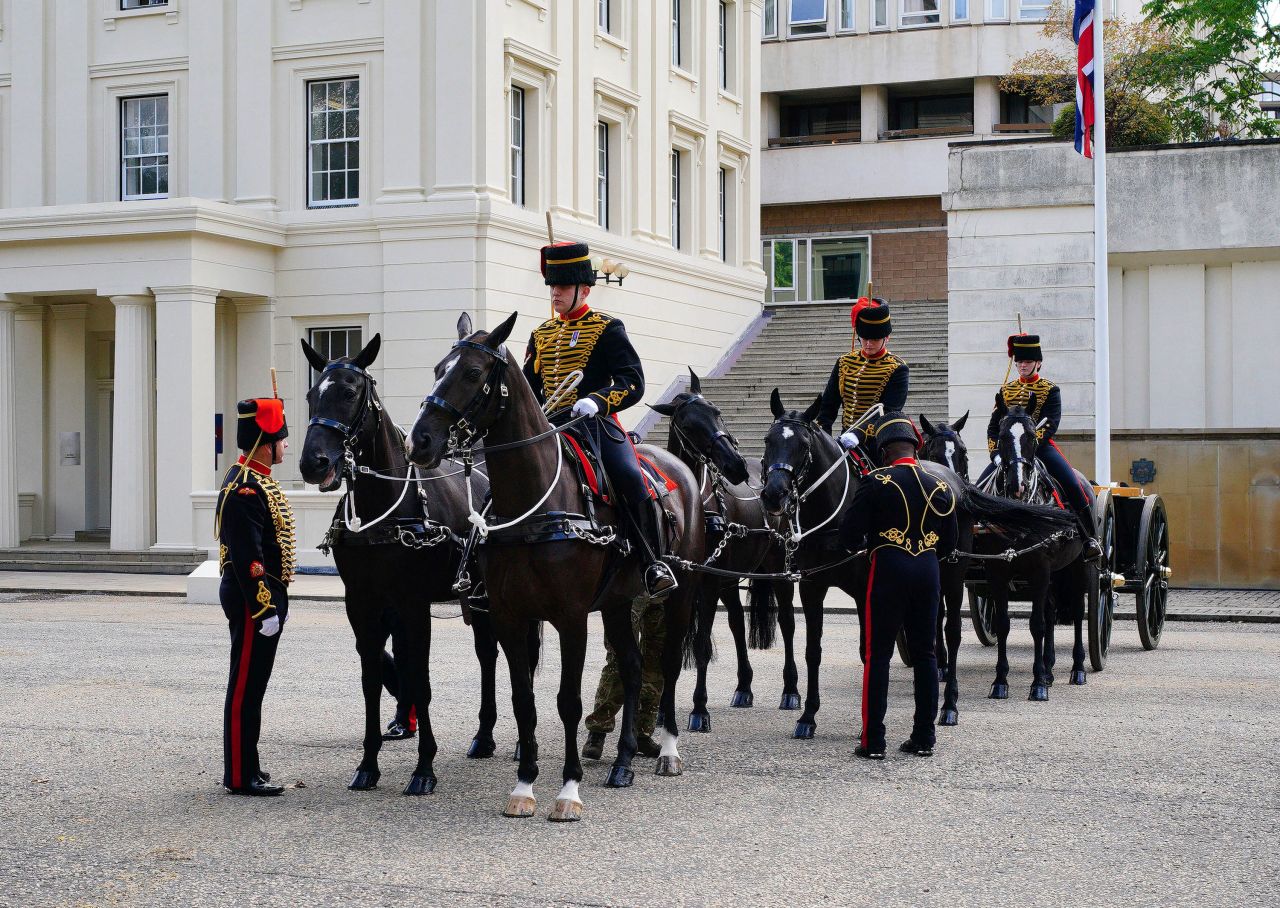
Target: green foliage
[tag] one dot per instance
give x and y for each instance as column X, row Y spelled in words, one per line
column 1131, row 122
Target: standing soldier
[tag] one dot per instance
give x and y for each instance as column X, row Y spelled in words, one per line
column 906, row 518
column 867, row 375
column 648, row 622
column 256, row 558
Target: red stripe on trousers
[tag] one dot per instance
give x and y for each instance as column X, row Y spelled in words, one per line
column 1079, row 484
column 237, row 700
column 866, row 648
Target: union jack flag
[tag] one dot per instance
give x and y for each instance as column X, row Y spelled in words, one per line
column 1082, row 32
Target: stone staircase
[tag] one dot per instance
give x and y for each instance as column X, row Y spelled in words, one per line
column 795, row 353
column 90, row 558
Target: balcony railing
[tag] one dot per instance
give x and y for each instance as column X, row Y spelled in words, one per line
column 927, row 131
column 828, row 138
column 1043, row 128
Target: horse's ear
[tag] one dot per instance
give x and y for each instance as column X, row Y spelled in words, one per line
column 465, row 329
column 694, row 384
column 811, row 414
column 927, row 426
column 364, row 359
column 664, row 409
column 498, row 336
column 317, row 361
column 775, row 404
column 959, row 423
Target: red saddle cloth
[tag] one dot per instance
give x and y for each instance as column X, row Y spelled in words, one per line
column 653, row 476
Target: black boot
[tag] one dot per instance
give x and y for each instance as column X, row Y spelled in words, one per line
column 647, row 747
column 659, row 579
column 594, row 748
column 1092, row 549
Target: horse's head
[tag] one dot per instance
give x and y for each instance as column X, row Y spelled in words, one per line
column 943, row 444
column 339, row 405
column 788, row 453
column 469, row 394
column 1016, row 447
column 698, row 425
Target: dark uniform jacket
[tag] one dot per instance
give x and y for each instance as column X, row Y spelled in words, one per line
column 1017, row 393
column 256, row 551
column 593, row 342
column 857, row 384
column 903, row 507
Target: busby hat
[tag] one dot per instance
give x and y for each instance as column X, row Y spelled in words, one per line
column 566, row 264
column 261, row 421
column 897, row 426
column 871, row 318
column 1025, row 348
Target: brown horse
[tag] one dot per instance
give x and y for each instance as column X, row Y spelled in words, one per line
column 543, row 560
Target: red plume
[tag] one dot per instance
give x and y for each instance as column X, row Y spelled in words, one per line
column 1012, row 338
column 862, row 303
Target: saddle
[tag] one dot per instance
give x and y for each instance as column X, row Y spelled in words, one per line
column 590, row 471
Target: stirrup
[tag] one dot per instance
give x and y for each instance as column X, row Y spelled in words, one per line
column 1092, row 552
column 659, row 579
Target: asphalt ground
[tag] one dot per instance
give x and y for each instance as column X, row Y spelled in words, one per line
column 1154, row 784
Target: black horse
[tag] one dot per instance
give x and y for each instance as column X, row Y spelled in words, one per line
column 396, row 545
column 542, row 559
column 740, row 534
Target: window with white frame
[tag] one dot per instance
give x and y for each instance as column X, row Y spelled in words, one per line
column 807, row 17
column 919, row 12
column 517, row 145
column 769, row 20
column 997, row 10
column 722, row 46
column 846, row 21
column 142, row 4
column 334, row 343
column 144, row 147
column 677, row 49
column 602, row 174
column 879, row 14
column 1033, row 10
column 333, row 141
column 607, row 16
column 724, row 214
column 959, row 10
column 677, row 213
column 816, row 269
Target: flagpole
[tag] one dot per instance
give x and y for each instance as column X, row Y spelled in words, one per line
column 1101, row 315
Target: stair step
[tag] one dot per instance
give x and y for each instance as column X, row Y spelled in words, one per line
column 100, row 567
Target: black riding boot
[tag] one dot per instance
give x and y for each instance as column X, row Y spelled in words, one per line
column 659, row 579
column 1092, row 548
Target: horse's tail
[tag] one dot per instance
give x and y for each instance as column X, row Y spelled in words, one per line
column 764, row 614
column 1014, row 518
column 697, row 623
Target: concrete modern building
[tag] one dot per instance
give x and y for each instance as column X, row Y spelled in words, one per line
column 187, row 187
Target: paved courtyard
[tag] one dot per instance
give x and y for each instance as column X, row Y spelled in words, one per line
column 1155, row 784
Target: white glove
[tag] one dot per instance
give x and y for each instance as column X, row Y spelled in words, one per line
column 270, row 626
column 586, row 407
column 850, row 440
column 995, row 459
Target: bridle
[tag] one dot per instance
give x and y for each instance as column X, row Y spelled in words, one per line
column 798, row 475
column 705, row 462
column 939, row 438
column 1021, row 463
column 464, row 431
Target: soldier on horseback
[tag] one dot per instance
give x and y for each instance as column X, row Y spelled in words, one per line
column 1043, row 402
column 867, row 375
column 578, row 338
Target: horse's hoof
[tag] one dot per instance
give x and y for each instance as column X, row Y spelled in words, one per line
column 1039, row 693
column 481, row 749
column 1078, row 676
column 790, row 701
column 999, row 691
column 620, row 777
column 669, row 766
column 699, row 722
column 948, row 717
column 804, row 730
column 365, row 780
column 565, row 811
column 742, row 699
column 420, row 785
column 520, row 806
column 517, row 754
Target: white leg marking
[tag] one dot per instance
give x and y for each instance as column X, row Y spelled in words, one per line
column 568, row 793
column 522, row 790
column 668, row 742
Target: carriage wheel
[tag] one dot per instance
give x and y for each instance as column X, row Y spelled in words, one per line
column 1153, row 571
column 982, row 612
column 1100, row 595
column 903, row 653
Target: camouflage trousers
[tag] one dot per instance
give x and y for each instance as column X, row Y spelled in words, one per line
column 647, row 621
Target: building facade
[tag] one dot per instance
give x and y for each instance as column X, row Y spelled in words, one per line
column 189, row 187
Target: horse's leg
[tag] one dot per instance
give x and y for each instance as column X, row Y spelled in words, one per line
column 676, row 615
column 370, row 640
column 953, row 594
column 742, row 694
column 811, row 596
column 1050, row 622
column 486, row 644
column 699, row 718
column 1077, row 652
column 621, row 636
column 1039, row 614
column 573, row 653
column 513, row 635
column 415, row 639
column 1000, row 596
column 785, row 592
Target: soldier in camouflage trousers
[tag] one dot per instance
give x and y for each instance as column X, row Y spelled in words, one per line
column 647, row 621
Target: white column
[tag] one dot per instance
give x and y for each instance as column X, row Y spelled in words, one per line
column 455, row 102
column 255, row 322
column 206, row 94
column 402, row 97
column 71, row 112
column 184, row 460
column 8, row 425
column 68, row 384
column 254, row 92
column 26, row 156
column 133, row 425
column 986, row 105
column 875, row 112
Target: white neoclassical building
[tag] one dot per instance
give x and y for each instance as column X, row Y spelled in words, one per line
column 187, row 187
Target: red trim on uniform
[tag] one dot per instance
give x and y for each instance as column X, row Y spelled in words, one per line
column 883, row 351
column 1030, row 381
column 1079, row 483
column 866, row 645
column 413, row 718
column 576, row 313
column 254, row 464
column 902, row 460
column 237, row 700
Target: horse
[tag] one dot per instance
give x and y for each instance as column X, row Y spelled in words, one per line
column 744, row 539
column 545, row 562
column 397, row 547
column 1052, row 565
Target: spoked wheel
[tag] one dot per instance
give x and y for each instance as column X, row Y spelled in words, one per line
column 1153, row 571
column 1100, row 594
column 903, row 653
column 982, row 612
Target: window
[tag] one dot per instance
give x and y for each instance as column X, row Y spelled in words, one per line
column 517, row 145
column 333, row 174
column 332, row 343
column 879, row 13
column 602, row 174
column 144, row 148
column 959, row 10
column 846, row 16
column 724, row 215
column 142, row 4
column 808, row 17
column 1021, row 109
column 677, row 58
column 816, row 269
column 676, row 214
column 780, row 262
column 919, row 12
column 604, row 15
column 997, row 9
column 941, row 112
column 833, row 116
column 1033, row 10
column 769, row 21
column 724, row 44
